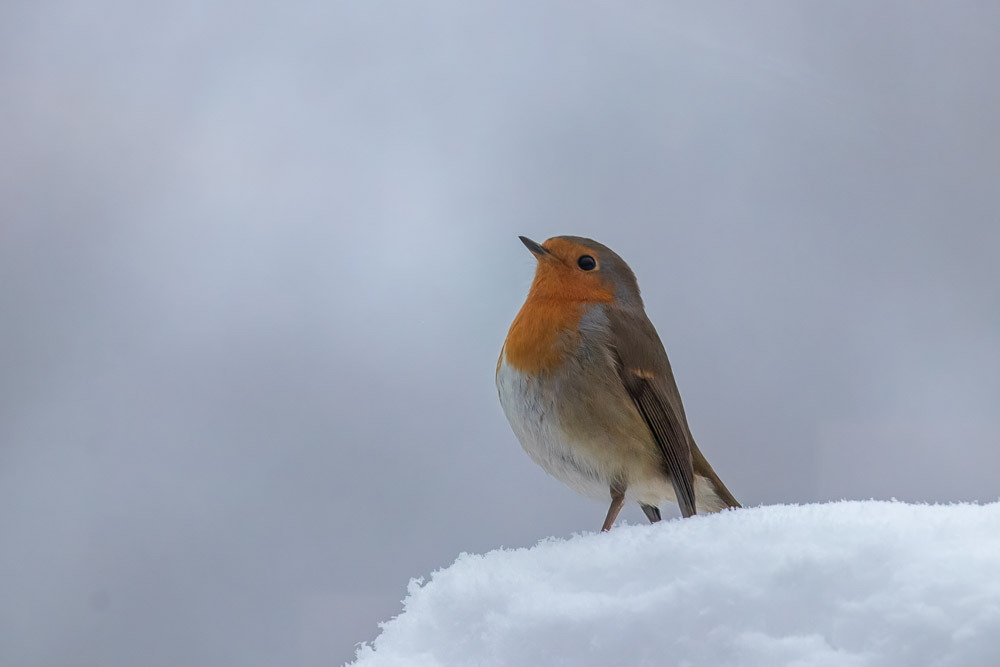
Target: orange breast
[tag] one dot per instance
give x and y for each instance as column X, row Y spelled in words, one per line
column 543, row 331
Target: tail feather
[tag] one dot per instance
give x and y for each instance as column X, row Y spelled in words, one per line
column 710, row 493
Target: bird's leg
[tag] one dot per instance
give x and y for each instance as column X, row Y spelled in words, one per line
column 617, row 500
column 652, row 513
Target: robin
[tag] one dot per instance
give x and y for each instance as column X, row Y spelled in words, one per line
column 587, row 388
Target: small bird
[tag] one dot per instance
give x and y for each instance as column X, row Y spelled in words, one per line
column 587, row 388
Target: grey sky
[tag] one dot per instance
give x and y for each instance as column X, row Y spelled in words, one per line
column 257, row 262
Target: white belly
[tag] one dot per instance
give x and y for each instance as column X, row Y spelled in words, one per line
column 530, row 408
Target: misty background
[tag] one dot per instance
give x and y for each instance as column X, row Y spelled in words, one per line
column 257, row 261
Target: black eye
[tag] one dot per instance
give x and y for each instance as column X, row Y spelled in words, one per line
column 587, row 263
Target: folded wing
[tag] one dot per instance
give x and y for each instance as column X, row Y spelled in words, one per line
column 645, row 373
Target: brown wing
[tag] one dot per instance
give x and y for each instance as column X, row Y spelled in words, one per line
column 645, row 372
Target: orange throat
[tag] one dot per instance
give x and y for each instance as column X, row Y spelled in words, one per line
column 547, row 326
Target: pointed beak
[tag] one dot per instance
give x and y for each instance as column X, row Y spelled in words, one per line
column 536, row 249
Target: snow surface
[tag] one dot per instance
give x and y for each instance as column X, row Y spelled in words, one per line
column 846, row 584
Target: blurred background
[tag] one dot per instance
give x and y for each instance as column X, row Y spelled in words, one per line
column 257, row 261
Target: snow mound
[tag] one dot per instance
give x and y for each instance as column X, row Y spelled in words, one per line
column 846, row 584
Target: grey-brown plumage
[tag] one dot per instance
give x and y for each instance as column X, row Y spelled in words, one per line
column 646, row 374
column 588, row 389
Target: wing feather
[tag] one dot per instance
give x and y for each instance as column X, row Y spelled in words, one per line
column 669, row 436
column 648, row 379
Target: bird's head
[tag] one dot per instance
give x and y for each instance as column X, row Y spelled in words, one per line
column 573, row 268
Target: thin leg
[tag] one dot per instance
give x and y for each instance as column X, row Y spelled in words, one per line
column 617, row 500
column 652, row 513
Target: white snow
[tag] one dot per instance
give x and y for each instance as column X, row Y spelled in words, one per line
column 848, row 584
